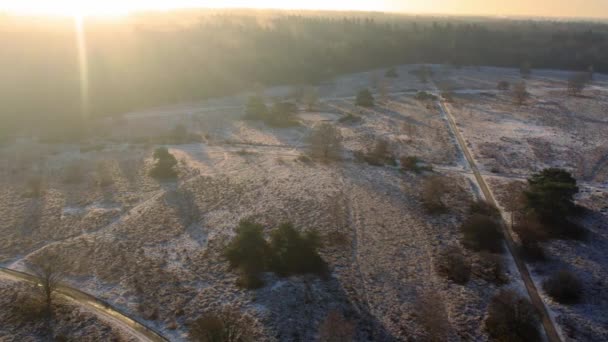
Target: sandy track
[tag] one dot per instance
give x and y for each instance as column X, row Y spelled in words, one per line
column 101, row 309
column 533, row 292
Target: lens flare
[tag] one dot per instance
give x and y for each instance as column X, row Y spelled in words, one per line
column 81, row 45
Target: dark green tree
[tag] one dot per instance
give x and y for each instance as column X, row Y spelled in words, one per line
column 256, row 108
column 295, row 253
column 165, row 162
column 365, row 98
column 249, row 253
column 550, row 194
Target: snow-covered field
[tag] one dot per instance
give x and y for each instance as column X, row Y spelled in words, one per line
column 155, row 249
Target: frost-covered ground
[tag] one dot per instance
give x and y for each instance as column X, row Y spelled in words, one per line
column 552, row 129
column 155, row 249
column 21, row 321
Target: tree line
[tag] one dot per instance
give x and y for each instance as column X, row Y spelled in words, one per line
column 139, row 63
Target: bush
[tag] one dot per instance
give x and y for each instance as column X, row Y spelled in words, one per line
column 74, row 173
column 532, row 251
column 350, row 119
column 391, row 73
column 564, row 286
column 424, row 96
column 365, row 98
column 35, row 187
column 482, row 233
column 249, row 253
column 256, row 108
column 165, row 163
column 432, row 316
column 295, row 253
column 481, row 207
column 380, row 155
column 491, row 268
column 335, row 328
column 226, row 325
column 503, row 85
column 326, row 142
column 512, row 318
column 453, row 265
column 433, row 190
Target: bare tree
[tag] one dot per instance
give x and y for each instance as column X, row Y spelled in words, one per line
column 326, row 142
column 433, row 189
column 520, row 93
column 50, row 271
column 335, row 328
column 577, row 83
column 515, row 202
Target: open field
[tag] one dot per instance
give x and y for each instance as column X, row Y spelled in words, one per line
column 154, row 249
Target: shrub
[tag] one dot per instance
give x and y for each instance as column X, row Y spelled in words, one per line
column 35, row 187
column 326, row 142
column 391, row 73
column 256, row 109
column 380, row 155
column 365, row 98
column 410, row 163
column 482, row 233
column 481, row 207
column 532, row 251
column 249, row 253
column 564, row 286
column 503, row 85
column 74, row 173
column 304, row 159
column 335, row 328
column 165, row 163
column 453, row 265
column 491, row 268
column 225, row 325
column 424, row 96
column 295, row 253
column 512, row 318
column 433, row 190
column 432, row 316
column 350, row 119
column 520, row 93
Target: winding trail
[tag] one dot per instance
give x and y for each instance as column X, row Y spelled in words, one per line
column 549, row 326
column 102, row 309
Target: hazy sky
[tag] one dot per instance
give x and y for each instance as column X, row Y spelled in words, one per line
column 569, row 8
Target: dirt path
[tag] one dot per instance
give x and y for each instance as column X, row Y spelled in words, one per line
column 535, row 298
column 100, row 308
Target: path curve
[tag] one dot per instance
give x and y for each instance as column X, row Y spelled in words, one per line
column 100, row 307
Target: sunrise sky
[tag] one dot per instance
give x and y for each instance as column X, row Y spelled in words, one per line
column 544, row 8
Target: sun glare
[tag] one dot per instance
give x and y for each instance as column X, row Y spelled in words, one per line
column 116, row 8
column 71, row 8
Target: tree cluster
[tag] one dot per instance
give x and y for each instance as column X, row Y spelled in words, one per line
column 288, row 252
